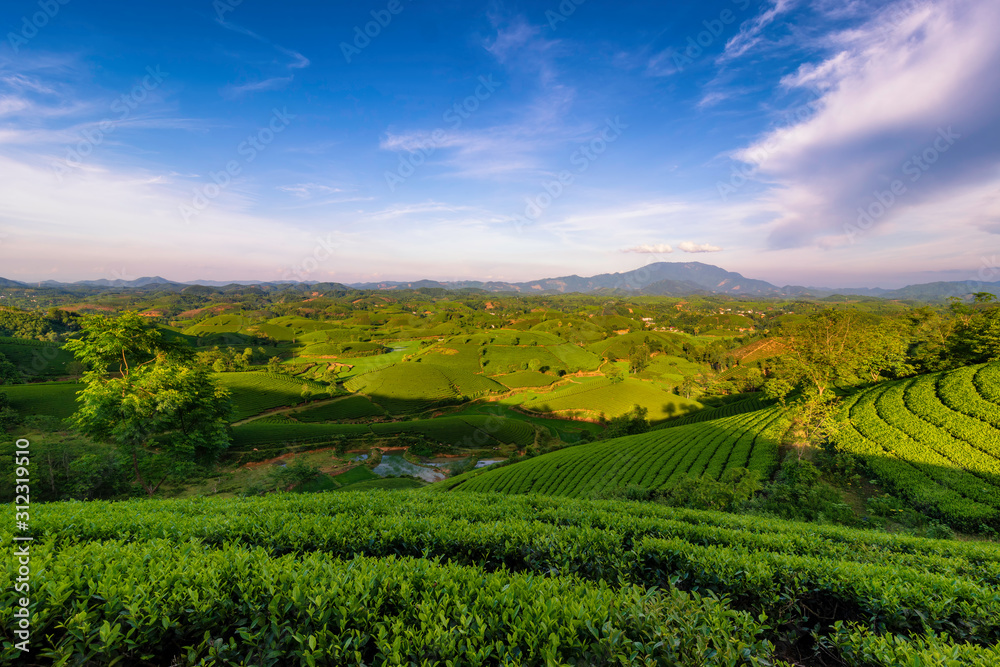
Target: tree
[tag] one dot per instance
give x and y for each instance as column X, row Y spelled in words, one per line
column 638, row 358
column 630, row 423
column 831, row 346
column 158, row 407
column 884, row 348
column 9, row 417
column 976, row 339
column 814, row 421
column 274, row 365
column 9, row 373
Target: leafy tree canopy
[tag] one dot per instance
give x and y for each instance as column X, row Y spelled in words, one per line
column 161, row 409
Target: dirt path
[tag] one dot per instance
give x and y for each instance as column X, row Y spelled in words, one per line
column 291, row 408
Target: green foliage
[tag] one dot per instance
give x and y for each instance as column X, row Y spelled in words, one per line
column 976, row 339
column 631, row 423
column 67, row 466
column 283, row 475
column 9, row 373
column 638, row 358
column 9, row 417
column 839, row 346
column 156, row 404
column 731, row 493
column 798, row 493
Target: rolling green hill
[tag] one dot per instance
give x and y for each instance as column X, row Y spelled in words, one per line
column 35, row 359
column 653, row 460
column 254, row 392
column 348, row 407
column 934, row 440
column 55, row 399
column 601, row 398
column 416, row 386
column 522, row 379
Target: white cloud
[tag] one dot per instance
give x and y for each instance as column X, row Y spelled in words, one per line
column 656, row 249
column 688, row 246
column 886, row 89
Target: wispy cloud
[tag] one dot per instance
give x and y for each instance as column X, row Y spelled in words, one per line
column 306, row 190
column 751, row 33
column 296, row 61
column 517, row 144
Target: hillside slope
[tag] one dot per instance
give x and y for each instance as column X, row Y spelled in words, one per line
column 653, row 460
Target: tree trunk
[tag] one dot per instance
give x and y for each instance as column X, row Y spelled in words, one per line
column 138, row 475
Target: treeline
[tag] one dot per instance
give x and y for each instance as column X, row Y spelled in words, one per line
column 35, row 325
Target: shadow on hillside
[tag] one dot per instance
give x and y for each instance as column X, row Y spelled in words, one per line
column 968, row 502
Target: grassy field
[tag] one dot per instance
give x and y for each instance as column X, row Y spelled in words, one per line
column 349, row 407
column 346, row 577
column 456, row 353
column 254, row 392
column 523, row 379
column 601, row 398
column 653, row 460
column 34, row 358
column 749, row 404
column 417, row 386
column 934, row 440
column 56, row 399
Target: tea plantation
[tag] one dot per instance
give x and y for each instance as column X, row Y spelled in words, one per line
column 407, row 577
column 653, row 460
column 935, row 440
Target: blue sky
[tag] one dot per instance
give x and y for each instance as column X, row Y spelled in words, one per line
column 818, row 143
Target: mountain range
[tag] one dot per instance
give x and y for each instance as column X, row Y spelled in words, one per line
column 659, row 278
